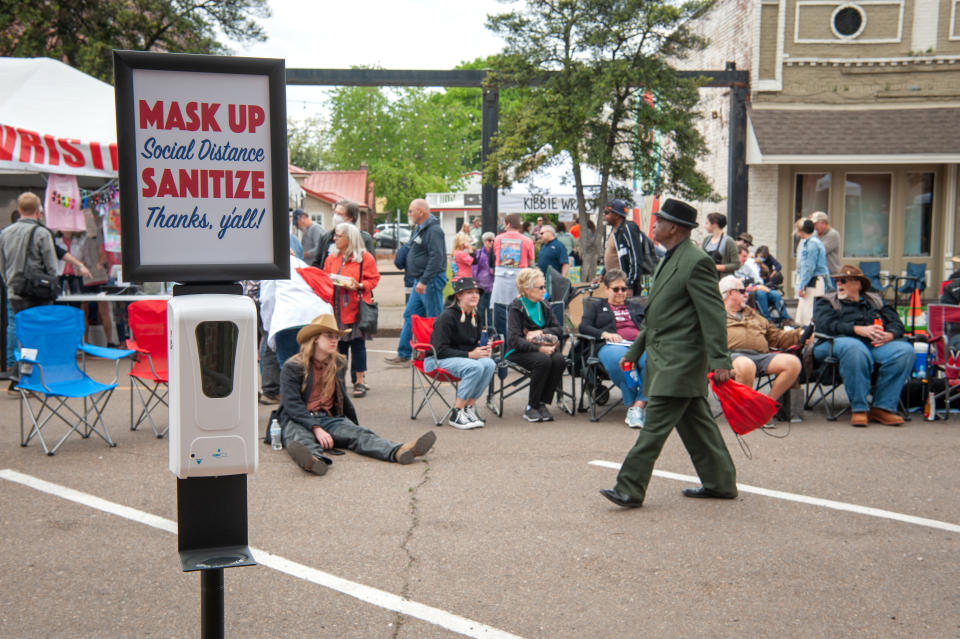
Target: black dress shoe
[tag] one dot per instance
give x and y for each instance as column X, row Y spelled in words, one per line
column 621, row 499
column 706, row 493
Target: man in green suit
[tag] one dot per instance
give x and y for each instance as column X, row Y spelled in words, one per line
column 684, row 335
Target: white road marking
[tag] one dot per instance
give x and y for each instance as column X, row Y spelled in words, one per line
column 380, row 598
column 803, row 499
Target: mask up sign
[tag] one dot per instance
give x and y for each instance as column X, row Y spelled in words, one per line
column 203, row 167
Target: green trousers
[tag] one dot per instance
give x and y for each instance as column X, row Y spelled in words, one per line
column 692, row 418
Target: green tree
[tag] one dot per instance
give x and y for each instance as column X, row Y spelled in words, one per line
column 410, row 143
column 587, row 65
column 307, row 143
column 83, row 33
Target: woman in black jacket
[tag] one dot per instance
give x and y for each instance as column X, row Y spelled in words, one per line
column 456, row 347
column 316, row 413
column 617, row 322
column 533, row 340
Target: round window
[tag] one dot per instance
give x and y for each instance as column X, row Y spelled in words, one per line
column 848, row 21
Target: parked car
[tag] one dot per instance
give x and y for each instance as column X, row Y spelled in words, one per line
column 385, row 235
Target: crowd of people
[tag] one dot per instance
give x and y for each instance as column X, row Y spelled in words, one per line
column 718, row 309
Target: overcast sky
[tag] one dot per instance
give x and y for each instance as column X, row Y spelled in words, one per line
column 391, row 34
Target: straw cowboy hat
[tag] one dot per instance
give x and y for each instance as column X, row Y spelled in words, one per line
column 325, row 323
column 850, row 271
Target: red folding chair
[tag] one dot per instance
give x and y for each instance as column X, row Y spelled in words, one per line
column 148, row 373
column 430, row 384
column 943, row 353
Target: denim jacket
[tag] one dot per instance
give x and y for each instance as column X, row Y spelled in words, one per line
column 812, row 262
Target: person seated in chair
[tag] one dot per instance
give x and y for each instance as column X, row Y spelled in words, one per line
column 951, row 290
column 749, row 274
column 316, row 413
column 617, row 321
column 533, row 342
column 749, row 339
column 850, row 316
column 456, row 341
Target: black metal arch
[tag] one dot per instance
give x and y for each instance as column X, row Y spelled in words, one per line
column 737, row 81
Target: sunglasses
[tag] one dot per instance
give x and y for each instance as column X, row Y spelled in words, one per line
column 542, row 287
column 844, row 280
column 619, row 289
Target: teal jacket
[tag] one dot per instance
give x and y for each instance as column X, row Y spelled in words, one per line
column 685, row 331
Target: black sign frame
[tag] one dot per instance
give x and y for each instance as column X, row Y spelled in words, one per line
column 125, row 62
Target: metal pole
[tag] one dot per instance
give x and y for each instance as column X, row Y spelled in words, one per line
column 737, row 158
column 489, row 120
column 211, row 604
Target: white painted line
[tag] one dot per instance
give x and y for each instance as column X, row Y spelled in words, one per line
column 803, row 499
column 380, row 598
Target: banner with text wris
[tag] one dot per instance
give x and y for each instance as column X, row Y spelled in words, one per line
column 203, row 167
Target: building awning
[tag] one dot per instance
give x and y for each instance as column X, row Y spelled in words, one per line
column 842, row 136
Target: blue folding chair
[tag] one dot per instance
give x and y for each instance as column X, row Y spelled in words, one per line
column 915, row 278
column 871, row 270
column 48, row 338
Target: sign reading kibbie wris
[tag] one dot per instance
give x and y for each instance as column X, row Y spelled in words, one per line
column 203, row 167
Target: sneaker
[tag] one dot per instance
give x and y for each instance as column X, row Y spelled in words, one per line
column 397, row 361
column 545, row 414
column 533, row 414
column 472, row 413
column 635, row 417
column 461, row 419
column 269, row 399
column 407, row 453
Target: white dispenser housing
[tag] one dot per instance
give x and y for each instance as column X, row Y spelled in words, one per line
column 212, row 348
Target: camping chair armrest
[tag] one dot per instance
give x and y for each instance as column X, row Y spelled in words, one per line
column 422, row 350
column 826, row 338
column 104, row 352
column 132, row 345
column 25, row 360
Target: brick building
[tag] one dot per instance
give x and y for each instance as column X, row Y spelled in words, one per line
column 853, row 109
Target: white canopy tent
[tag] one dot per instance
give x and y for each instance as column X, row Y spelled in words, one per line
column 55, row 119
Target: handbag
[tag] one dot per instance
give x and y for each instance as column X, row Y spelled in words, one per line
column 34, row 282
column 368, row 313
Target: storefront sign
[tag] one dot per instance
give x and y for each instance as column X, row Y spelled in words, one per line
column 203, row 169
column 543, row 203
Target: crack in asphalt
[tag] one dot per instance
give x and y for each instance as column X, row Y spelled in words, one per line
column 414, row 509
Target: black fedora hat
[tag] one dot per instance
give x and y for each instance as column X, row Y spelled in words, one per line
column 679, row 213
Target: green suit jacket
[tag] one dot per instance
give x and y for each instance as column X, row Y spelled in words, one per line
column 685, row 330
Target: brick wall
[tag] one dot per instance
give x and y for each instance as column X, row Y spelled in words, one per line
column 729, row 29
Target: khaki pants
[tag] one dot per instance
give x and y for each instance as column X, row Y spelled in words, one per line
column 805, row 303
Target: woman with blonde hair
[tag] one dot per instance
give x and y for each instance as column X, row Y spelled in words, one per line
column 462, row 255
column 354, row 273
column 533, row 342
column 316, row 413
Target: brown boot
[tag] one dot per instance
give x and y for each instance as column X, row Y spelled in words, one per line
column 885, row 417
column 417, row 448
column 306, row 459
column 858, row 419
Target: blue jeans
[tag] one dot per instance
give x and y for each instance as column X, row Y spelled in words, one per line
column 287, row 345
column 474, row 374
column 609, row 355
column 426, row 304
column 857, row 361
column 765, row 298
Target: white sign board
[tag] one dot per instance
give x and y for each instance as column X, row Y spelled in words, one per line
column 201, row 196
column 542, row 203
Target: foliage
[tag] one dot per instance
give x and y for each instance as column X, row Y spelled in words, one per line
column 83, row 33
column 306, row 143
column 587, row 65
column 412, row 143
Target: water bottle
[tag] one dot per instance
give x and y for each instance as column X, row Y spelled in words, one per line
column 631, row 375
column 275, row 441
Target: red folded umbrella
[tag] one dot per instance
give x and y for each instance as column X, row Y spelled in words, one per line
column 744, row 408
column 319, row 281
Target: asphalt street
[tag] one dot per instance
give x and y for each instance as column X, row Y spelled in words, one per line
column 498, row 532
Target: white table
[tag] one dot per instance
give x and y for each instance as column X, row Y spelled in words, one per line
column 107, row 297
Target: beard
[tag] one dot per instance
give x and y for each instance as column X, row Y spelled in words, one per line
column 842, row 294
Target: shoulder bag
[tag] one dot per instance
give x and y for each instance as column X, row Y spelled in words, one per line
column 368, row 313
column 34, row 282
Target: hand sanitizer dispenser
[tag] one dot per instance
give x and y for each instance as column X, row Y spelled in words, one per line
column 212, row 344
